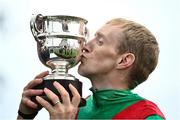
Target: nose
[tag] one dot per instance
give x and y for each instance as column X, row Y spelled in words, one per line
column 89, row 46
column 86, row 49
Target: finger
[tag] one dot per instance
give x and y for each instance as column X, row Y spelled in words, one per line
column 76, row 96
column 29, row 103
column 33, row 83
column 43, row 74
column 32, row 92
column 52, row 96
column 37, row 80
column 64, row 94
column 45, row 104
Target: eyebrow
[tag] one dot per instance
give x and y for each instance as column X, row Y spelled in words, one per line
column 101, row 34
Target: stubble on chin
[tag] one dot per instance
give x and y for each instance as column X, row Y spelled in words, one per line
column 82, row 70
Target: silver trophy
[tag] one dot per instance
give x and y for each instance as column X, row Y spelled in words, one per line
column 59, row 40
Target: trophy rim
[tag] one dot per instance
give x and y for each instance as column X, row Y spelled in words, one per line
column 68, row 17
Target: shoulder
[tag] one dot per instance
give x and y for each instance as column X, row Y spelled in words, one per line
column 149, row 108
column 140, row 110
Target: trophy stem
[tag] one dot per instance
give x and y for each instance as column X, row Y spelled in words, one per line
column 58, row 66
column 59, row 70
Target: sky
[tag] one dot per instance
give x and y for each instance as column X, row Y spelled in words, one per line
column 19, row 62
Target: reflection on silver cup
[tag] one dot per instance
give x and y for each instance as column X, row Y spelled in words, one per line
column 59, row 41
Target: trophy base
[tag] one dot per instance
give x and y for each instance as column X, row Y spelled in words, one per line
column 65, row 83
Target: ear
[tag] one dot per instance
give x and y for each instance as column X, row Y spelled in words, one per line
column 125, row 60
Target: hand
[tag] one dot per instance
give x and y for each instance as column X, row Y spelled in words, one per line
column 27, row 106
column 67, row 109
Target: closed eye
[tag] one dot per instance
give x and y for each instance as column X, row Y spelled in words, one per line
column 100, row 42
column 99, row 39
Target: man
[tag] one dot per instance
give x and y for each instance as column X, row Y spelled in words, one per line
column 120, row 57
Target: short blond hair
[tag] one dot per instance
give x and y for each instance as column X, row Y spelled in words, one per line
column 142, row 43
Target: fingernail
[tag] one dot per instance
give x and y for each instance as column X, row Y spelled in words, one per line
column 45, row 89
column 70, row 85
column 39, row 79
column 55, row 82
column 37, row 98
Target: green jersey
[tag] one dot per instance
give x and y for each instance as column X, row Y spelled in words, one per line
column 107, row 103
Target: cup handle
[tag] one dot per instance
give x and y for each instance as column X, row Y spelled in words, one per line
column 37, row 26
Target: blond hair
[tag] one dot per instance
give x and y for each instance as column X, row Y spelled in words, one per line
column 137, row 40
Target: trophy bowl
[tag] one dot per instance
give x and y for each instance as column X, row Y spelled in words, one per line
column 60, row 39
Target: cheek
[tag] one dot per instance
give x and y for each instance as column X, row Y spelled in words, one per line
column 102, row 62
column 105, row 56
column 96, row 66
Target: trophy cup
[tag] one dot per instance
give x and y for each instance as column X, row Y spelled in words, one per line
column 59, row 40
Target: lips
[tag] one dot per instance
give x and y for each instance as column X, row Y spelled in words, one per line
column 82, row 58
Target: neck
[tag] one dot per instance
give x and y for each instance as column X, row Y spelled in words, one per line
column 109, row 82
